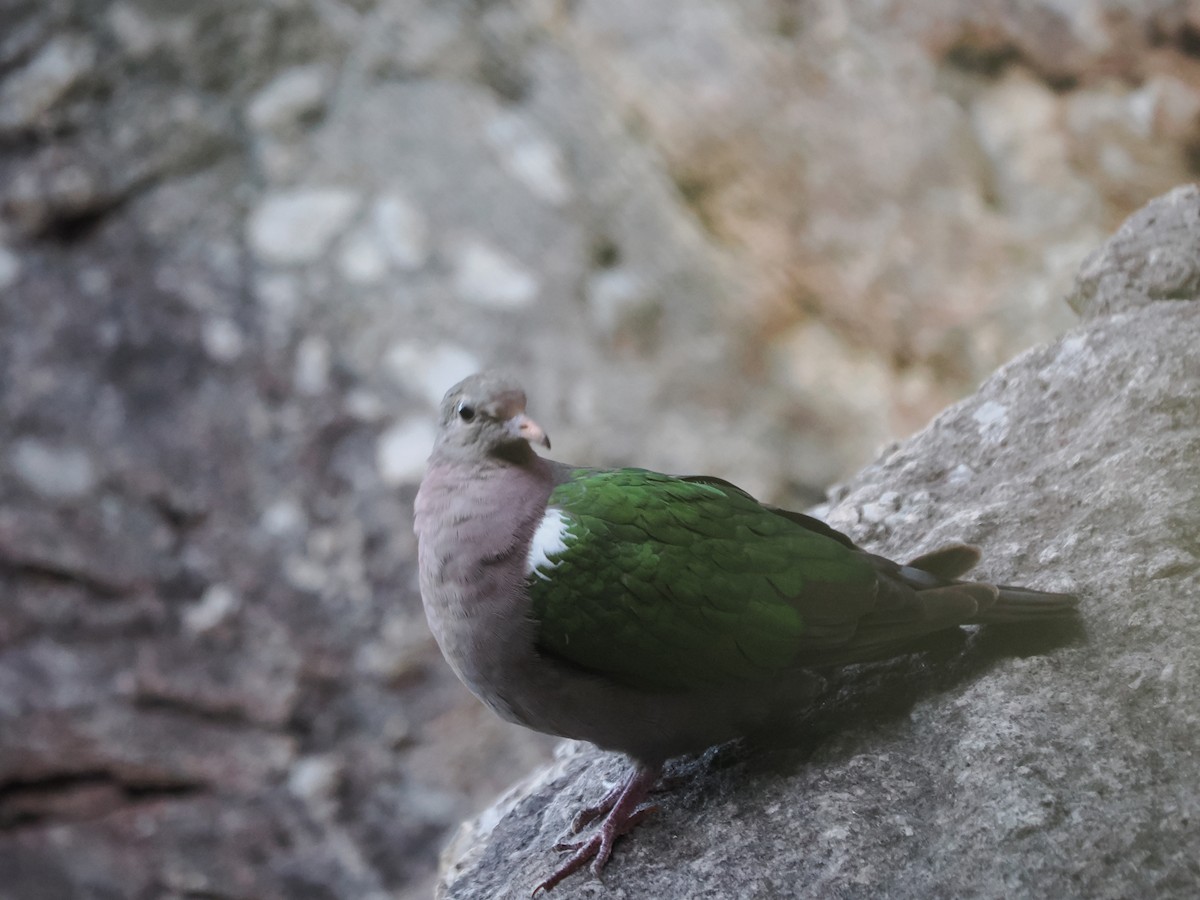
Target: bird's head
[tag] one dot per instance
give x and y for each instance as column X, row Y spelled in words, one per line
column 484, row 415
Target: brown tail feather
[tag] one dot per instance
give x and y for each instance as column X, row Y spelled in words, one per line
column 949, row 562
column 1018, row 604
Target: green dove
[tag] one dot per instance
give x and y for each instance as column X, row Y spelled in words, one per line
column 652, row 614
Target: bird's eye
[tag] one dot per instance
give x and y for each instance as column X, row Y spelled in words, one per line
column 466, row 412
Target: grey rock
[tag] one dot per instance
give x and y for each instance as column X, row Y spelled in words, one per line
column 58, row 473
column 1154, row 256
column 215, row 612
column 619, row 301
column 291, row 97
column 363, row 259
column 403, row 230
column 10, row 268
column 402, row 450
column 214, row 608
column 530, row 157
column 223, row 340
column 1073, row 752
column 297, row 226
column 489, row 276
column 426, row 369
column 31, row 92
column 314, row 362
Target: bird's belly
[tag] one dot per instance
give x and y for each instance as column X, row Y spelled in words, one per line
column 493, row 651
column 485, row 647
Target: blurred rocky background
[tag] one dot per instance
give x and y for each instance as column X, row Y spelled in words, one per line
column 244, row 247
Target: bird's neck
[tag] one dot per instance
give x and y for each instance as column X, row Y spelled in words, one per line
column 480, row 513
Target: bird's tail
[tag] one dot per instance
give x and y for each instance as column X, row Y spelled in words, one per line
column 929, row 595
column 1018, row 604
column 1007, row 603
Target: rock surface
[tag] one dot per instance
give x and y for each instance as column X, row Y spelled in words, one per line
column 1155, row 256
column 1007, row 764
column 245, row 247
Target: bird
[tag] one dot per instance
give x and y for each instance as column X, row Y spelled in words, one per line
column 651, row 614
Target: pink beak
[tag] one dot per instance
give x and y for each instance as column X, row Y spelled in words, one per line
column 530, row 430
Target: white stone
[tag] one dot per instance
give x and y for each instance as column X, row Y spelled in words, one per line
column 530, row 158
column 305, row 574
column 489, row 277
column 279, row 294
column 833, row 376
column 95, row 282
column 401, row 647
column 291, row 97
column 223, row 340
column 403, row 231
column 315, row 779
column 550, row 539
column 10, row 268
column 215, row 606
column 284, row 517
column 960, row 475
column 362, row 259
column 992, row 418
column 429, row 371
column 298, row 225
column 314, row 361
column 616, row 297
column 29, row 93
column 881, row 509
column 874, row 513
column 55, row 472
column 133, row 31
column 402, row 450
column 364, row 405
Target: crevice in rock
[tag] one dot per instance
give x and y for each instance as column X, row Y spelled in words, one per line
column 75, row 226
column 990, row 59
column 227, row 716
column 61, row 574
column 75, row 796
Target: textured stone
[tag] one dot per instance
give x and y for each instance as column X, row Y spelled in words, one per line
column 530, row 158
column 214, row 607
column 297, row 226
column 619, row 301
column 429, row 370
column 362, row 259
column 402, row 450
column 403, row 231
column 487, row 276
column 29, row 93
column 314, row 361
column 57, row 473
column 290, row 98
column 223, row 340
column 687, row 183
column 10, row 268
column 1154, row 256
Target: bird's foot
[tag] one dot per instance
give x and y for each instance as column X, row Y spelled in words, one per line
column 622, row 809
column 590, row 814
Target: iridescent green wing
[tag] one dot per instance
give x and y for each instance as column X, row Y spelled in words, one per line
column 672, row 583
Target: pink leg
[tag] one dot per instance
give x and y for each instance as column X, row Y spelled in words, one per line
column 589, row 814
column 622, row 809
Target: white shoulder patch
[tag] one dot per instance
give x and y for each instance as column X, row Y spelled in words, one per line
column 549, row 540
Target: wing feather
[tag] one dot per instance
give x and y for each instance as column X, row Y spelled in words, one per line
column 673, row 583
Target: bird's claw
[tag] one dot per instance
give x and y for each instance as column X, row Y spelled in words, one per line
column 622, row 809
column 590, row 814
column 598, row 848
